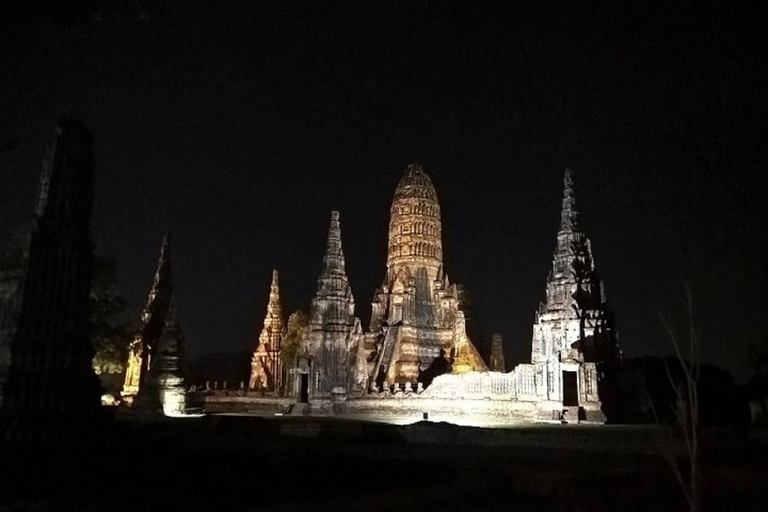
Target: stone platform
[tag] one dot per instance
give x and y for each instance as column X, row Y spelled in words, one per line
column 404, row 409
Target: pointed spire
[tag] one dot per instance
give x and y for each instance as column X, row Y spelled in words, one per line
column 266, row 367
column 333, row 283
column 274, row 327
column 333, row 260
column 273, row 307
column 569, row 217
column 154, row 314
column 161, row 284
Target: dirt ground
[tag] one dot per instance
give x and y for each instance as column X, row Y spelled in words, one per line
column 284, row 463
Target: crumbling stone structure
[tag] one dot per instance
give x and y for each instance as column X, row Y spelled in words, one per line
column 416, row 313
column 417, row 358
column 497, row 354
column 51, row 390
column 573, row 331
column 327, row 355
column 266, row 368
column 166, row 377
column 144, row 346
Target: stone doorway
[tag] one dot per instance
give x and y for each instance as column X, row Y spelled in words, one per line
column 304, row 388
column 570, row 389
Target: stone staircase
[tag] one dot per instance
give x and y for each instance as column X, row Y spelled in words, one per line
column 388, row 346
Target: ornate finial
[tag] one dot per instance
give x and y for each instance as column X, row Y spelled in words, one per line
column 274, row 309
column 333, row 247
column 569, row 217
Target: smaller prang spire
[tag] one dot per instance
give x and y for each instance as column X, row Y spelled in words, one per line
column 333, row 284
column 333, row 278
column 569, row 217
column 274, row 326
column 266, row 367
column 274, row 308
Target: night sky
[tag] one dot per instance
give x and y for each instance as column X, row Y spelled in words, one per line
column 239, row 126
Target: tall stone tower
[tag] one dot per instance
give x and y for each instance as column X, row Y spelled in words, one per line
column 416, row 313
column 415, row 231
column 51, row 391
column 573, row 331
column 575, row 314
column 326, row 356
column 266, row 369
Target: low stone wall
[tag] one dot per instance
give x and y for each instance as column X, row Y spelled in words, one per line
column 236, row 404
column 401, row 408
column 412, row 408
column 474, row 398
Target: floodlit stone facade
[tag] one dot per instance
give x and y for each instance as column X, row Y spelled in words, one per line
column 416, row 313
column 266, row 368
column 327, row 355
column 573, row 331
column 416, row 358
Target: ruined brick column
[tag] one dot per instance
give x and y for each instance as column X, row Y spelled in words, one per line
column 497, row 354
column 52, row 392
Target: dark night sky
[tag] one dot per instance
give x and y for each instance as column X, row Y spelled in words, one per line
column 238, row 126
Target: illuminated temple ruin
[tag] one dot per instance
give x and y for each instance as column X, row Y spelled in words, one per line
column 416, row 313
column 266, row 370
column 416, row 357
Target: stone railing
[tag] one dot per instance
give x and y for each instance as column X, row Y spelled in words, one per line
column 525, row 381
column 473, row 386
